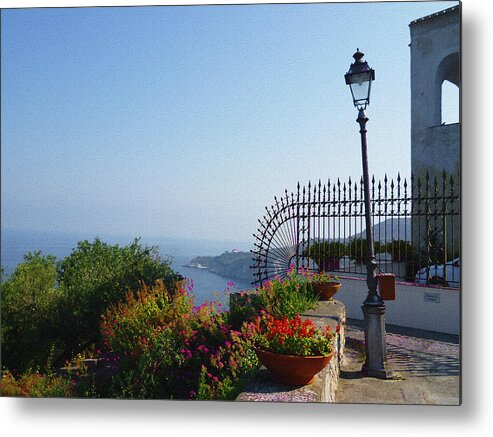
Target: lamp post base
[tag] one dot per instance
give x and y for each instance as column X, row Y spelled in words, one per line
column 376, row 364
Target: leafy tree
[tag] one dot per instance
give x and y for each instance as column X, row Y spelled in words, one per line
column 97, row 275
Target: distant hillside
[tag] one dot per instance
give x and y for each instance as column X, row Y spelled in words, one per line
column 235, row 265
column 390, row 229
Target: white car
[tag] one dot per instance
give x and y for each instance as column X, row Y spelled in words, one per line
column 437, row 274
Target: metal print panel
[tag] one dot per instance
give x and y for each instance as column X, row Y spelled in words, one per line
column 245, row 202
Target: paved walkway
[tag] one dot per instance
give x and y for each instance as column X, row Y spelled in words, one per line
column 426, row 366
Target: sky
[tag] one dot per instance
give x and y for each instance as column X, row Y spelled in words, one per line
column 186, row 121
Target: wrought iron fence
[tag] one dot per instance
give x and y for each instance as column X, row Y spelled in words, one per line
column 416, row 227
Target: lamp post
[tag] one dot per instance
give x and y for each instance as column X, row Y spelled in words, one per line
column 359, row 78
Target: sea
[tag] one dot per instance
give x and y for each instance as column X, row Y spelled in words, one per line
column 207, row 286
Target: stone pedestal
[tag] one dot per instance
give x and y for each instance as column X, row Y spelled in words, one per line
column 376, row 364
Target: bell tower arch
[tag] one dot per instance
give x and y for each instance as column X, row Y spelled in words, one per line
column 435, row 144
column 435, row 58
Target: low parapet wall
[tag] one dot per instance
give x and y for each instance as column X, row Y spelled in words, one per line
column 415, row 306
column 262, row 389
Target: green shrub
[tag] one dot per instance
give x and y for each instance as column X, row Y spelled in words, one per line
column 401, row 250
column 30, row 300
column 323, row 252
column 358, row 249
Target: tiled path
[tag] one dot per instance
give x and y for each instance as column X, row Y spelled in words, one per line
column 413, row 355
column 427, row 370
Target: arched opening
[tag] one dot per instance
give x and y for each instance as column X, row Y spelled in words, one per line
column 447, row 82
column 450, row 103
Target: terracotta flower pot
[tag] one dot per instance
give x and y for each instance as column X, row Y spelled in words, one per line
column 292, row 369
column 326, row 291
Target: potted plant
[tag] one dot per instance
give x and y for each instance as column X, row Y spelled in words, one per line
column 324, row 285
column 293, row 350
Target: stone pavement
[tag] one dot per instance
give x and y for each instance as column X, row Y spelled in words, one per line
column 426, row 366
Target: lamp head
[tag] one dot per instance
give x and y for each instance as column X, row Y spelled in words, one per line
column 359, row 78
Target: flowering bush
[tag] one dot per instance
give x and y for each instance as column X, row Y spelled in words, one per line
column 37, row 385
column 164, row 347
column 292, row 336
column 278, row 297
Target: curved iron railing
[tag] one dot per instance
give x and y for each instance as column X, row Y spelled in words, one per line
column 321, row 227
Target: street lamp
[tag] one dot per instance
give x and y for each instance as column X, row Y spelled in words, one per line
column 359, row 78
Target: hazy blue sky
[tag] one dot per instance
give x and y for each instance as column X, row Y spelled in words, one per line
column 186, row 121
